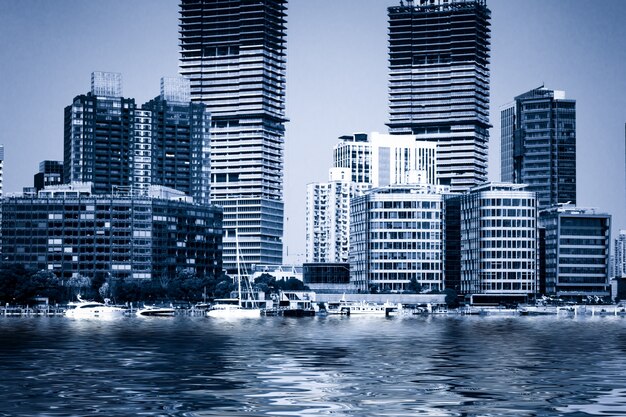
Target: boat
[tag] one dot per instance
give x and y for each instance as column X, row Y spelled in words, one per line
column 93, row 309
column 154, row 311
column 227, row 308
column 370, row 309
column 234, row 308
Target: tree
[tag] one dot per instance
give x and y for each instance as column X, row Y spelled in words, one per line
column 414, row 286
column 451, row 298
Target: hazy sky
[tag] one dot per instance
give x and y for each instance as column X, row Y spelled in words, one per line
column 336, row 79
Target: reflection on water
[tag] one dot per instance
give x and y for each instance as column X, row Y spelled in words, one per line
column 340, row 366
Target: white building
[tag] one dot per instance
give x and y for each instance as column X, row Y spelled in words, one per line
column 396, row 236
column 361, row 161
column 499, row 240
column 328, row 216
column 381, row 159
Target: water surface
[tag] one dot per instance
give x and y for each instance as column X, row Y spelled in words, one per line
column 339, row 366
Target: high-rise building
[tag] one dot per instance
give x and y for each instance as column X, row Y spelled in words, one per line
column 577, row 251
column 361, row 161
column 619, row 264
column 439, row 83
column 538, row 145
column 396, row 238
column 120, row 148
column 50, row 173
column 233, row 52
column 180, row 148
column 498, row 231
column 328, row 217
column 99, row 132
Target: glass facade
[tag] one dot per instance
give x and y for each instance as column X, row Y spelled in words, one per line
column 439, row 83
column 498, row 240
column 233, row 53
column 538, row 136
column 130, row 238
column 577, row 252
column 396, row 235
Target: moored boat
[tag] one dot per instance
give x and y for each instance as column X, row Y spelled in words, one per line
column 154, row 311
column 93, row 309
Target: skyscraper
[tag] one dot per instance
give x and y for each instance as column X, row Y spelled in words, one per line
column 180, row 148
column 233, row 52
column 99, row 129
column 538, row 135
column 439, row 83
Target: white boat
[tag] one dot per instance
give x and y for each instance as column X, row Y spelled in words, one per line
column 93, row 309
column 235, row 311
column 154, row 311
column 370, row 309
column 235, row 308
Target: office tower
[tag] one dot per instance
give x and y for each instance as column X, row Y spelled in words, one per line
column 98, row 137
column 50, row 173
column 439, row 83
column 379, row 160
column 179, row 152
column 396, row 238
column 619, row 269
column 233, row 52
column 498, row 243
column 577, row 251
column 538, row 136
column 128, row 237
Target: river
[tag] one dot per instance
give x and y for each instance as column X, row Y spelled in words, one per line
column 339, row 366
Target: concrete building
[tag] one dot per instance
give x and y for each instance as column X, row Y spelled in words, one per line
column 233, row 53
column 328, row 217
column 396, row 237
column 577, row 251
column 538, row 145
column 439, row 83
column 379, row 159
column 619, row 263
column 361, row 161
column 50, row 173
column 69, row 232
column 498, row 230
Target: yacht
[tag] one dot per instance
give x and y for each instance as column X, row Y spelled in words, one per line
column 154, row 311
column 93, row 309
column 231, row 308
column 370, row 309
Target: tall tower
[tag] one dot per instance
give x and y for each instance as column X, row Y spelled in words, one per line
column 439, row 83
column 99, row 129
column 538, row 135
column 233, row 52
column 180, row 148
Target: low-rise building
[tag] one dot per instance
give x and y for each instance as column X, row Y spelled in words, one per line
column 71, row 233
column 577, row 251
column 498, row 247
column 396, row 239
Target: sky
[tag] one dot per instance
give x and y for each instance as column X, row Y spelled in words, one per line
column 336, row 80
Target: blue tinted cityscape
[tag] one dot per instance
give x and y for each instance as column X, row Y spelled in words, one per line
column 406, row 211
column 166, row 220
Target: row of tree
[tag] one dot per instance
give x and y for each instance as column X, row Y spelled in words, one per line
column 19, row 285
